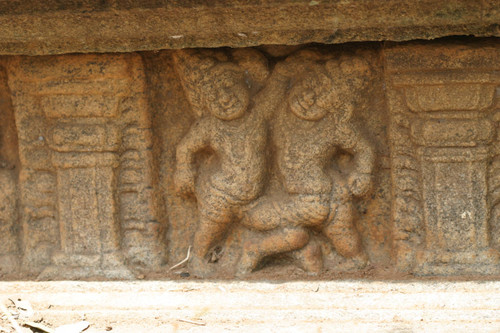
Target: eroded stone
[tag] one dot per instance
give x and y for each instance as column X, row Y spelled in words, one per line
column 354, row 159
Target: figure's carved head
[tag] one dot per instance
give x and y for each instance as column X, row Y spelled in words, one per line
column 226, row 94
column 310, row 98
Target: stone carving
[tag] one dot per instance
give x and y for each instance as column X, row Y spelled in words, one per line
column 309, row 101
column 346, row 160
column 313, row 122
column 86, row 189
column 444, row 159
column 234, row 131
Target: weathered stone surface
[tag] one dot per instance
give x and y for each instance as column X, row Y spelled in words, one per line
column 304, row 109
column 444, row 114
column 75, row 192
column 53, row 27
column 283, row 207
column 268, row 162
column 9, row 164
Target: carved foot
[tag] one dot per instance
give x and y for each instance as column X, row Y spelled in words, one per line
column 249, row 260
column 360, row 260
column 200, row 268
column 310, row 258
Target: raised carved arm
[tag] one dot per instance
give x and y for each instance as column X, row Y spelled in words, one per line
column 269, row 98
column 194, row 141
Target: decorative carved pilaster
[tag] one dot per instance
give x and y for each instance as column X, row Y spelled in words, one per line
column 442, row 102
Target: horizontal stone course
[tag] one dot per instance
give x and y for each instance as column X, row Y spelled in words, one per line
column 160, row 306
column 27, row 27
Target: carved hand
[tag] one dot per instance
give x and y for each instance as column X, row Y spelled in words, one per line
column 283, row 69
column 359, row 183
column 184, row 181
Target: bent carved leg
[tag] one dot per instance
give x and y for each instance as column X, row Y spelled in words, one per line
column 342, row 233
column 216, row 213
column 268, row 243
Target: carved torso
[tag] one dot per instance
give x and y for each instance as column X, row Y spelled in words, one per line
column 307, row 146
column 239, row 147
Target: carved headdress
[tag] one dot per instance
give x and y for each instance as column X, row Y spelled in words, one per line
column 198, row 68
column 192, row 67
column 346, row 75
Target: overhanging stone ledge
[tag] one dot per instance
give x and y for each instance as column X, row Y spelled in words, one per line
column 122, row 26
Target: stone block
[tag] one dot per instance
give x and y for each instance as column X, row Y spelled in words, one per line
column 271, row 161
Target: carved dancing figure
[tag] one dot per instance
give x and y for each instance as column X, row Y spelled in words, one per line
column 313, row 123
column 232, row 132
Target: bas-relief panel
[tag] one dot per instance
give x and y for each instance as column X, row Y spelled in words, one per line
column 279, row 161
column 266, row 162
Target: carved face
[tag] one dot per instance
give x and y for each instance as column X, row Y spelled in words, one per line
column 227, row 95
column 310, row 98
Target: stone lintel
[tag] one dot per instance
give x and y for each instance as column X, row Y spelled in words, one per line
column 52, row 27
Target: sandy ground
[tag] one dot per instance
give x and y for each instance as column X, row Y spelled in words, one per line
column 313, row 306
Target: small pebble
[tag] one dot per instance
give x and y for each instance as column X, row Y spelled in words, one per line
column 185, row 274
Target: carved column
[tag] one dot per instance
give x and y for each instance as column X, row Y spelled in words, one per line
column 37, row 179
column 87, row 209
column 442, row 137
column 87, row 178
